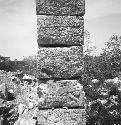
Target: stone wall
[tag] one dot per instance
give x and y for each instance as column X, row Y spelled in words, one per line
column 60, row 28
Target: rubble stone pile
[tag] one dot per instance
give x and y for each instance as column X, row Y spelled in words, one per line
column 8, row 107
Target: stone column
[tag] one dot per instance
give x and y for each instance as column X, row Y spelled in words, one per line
column 60, row 28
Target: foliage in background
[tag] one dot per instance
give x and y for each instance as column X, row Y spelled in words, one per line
column 101, row 110
column 89, row 48
column 106, row 65
column 30, row 66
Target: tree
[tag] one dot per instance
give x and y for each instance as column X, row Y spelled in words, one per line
column 113, row 45
column 30, row 66
column 112, row 55
column 89, row 49
column 89, row 58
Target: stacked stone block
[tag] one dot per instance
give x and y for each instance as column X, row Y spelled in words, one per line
column 60, row 28
column 63, row 93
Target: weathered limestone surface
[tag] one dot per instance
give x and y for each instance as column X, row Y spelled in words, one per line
column 62, row 117
column 3, row 91
column 60, row 7
column 60, row 30
column 60, row 62
column 63, row 93
column 60, row 36
column 58, row 21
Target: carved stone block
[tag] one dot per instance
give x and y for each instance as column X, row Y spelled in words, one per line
column 59, row 21
column 51, row 117
column 63, row 93
column 60, row 62
column 75, row 117
column 60, row 36
column 3, row 91
column 60, row 30
column 62, row 117
column 60, row 7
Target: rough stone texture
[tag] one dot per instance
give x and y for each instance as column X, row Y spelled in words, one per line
column 60, row 62
column 60, row 30
column 64, row 36
column 3, row 93
column 62, row 117
column 55, row 21
column 60, row 7
column 63, row 93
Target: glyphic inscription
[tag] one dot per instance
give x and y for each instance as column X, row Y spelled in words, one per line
column 63, row 93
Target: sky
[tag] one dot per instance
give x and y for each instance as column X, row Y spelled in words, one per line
column 18, row 25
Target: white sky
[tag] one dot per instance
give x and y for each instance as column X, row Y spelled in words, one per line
column 18, row 35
